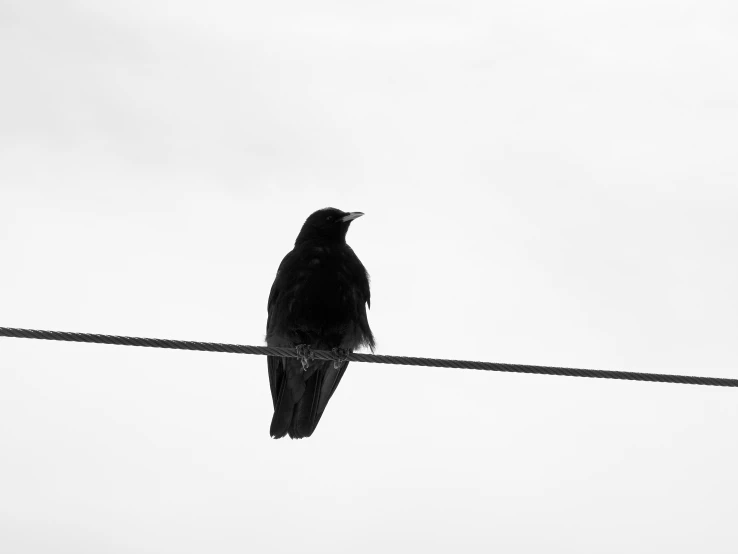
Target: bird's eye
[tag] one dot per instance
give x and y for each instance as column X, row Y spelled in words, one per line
column 329, row 218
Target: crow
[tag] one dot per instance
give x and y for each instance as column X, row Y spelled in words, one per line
column 318, row 300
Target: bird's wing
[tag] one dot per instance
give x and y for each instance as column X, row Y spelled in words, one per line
column 285, row 378
column 283, row 374
column 273, row 294
column 362, row 277
column 276, row 377
column 274, row 363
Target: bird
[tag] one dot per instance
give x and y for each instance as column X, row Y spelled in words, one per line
column 319, row 300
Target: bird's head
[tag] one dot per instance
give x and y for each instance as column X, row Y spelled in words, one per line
column 328, row 224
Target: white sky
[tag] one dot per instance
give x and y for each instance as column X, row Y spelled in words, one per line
column 545, row 183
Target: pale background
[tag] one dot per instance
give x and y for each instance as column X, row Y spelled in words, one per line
column 551, row 183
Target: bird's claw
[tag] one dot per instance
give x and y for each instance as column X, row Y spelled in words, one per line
column 305, row 354
column 342, row 355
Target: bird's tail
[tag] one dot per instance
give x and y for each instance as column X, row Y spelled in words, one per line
column 300, row 397
column 319, row 388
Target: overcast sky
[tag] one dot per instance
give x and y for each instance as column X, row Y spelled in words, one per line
column 550, row 183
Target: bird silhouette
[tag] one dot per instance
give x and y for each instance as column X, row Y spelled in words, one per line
column 319, row 300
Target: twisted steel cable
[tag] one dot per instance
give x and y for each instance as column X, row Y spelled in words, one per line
column 369, row 358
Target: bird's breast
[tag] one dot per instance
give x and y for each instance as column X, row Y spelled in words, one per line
column 324, row 287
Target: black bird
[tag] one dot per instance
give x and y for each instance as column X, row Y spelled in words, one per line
column 318, row 299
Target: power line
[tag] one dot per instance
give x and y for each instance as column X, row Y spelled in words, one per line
column 369, row 358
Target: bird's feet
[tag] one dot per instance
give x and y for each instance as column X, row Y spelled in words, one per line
column 342, row 354
column 305, row 354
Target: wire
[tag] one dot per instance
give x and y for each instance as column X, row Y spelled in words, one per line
column 369, row 358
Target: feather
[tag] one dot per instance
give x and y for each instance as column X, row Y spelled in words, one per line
column 319, row 298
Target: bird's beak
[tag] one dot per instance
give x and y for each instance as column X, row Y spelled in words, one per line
column 350, row 216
